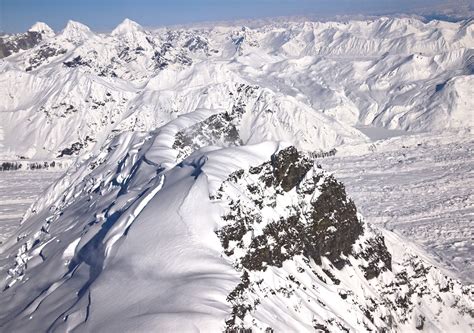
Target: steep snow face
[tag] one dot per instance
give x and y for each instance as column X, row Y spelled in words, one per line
column 75, row 32
column 127, row 27
column 131, row 33
column 313, row 82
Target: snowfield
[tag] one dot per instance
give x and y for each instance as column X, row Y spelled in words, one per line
column 206, row 172
column 419, row 186
column 18, row 190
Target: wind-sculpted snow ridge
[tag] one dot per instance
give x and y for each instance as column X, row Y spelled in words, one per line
column 312, row 82
column 244, row 237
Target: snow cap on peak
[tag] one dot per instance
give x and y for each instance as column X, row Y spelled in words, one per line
column 76, row 30
column 42, row 28
column 74, row 25
column 127, row 26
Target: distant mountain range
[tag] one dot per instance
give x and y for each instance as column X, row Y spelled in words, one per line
column 315, row 81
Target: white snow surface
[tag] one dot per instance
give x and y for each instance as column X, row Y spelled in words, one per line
column 419, row 186
column 18, row 190
column 43, row 29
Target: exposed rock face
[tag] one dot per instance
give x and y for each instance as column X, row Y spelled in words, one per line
column 76, row 147
column 333, row 210
column 220, row 129
column 312, row 225
column 289, row 168
column 44, row 53
column 286, row 209
column 16, row 43
column 217, row 129
column 373, row 252
column 77, row 61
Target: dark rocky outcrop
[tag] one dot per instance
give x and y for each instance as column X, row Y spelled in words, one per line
column 335, row 226
column 217, row 129
column 374, row 252
column 289, row 168
column 76, row 62
column 167, row 54
column 320, row 221
column 197, row 43
column 24, row 41
column 75, row 147
column 329, row 228
column 44, row 52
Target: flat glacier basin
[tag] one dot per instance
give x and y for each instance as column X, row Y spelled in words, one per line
column 18, row 190
column 419, row 186
column 380, row 133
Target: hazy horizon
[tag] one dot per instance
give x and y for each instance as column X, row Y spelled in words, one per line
column 19, row 15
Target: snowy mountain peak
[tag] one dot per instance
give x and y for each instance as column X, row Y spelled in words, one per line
column 75, row 30
column 42, row 28
column 127, row 26
column 76, row 26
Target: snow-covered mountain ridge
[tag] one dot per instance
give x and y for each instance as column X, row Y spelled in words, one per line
column 321, row 78
column 195, row 197
column 11, row 44
column 255, row 236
